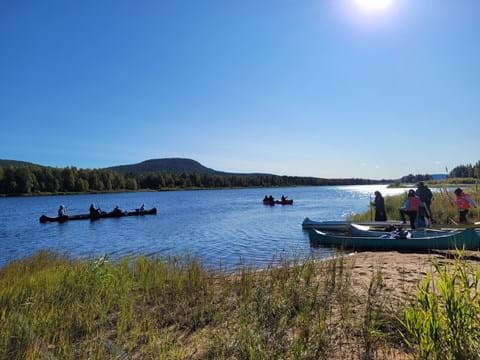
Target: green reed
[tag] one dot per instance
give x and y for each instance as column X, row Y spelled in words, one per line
column 55, row 307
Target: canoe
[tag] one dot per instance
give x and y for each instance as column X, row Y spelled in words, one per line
column 356, row 230
column 342, row 225
column 278, row 202
column 104, row 215
column 284, row 202
column 466, row 239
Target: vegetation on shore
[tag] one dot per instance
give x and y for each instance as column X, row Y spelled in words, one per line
column 51, row 306
column 31, row 180
column 449, row 182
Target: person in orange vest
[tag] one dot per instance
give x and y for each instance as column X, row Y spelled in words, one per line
column 464, row 202
column 410, row 208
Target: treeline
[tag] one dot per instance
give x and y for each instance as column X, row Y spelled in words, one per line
column 466, row 171
column 411, row 179
column 36, row 180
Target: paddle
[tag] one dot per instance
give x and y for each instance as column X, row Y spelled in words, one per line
column 371, row 207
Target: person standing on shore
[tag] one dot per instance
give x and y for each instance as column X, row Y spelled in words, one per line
column 410, row 208
column 464, row 202
column 379, row 204
column 425, row 195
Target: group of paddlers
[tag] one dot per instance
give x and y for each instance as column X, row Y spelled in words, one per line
column 96, row 211
column 272, row 199
column 418, row 206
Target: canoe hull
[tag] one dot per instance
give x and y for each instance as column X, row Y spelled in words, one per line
column 467, row 239
column 278, row 202
column 46, row 219
column 343, row 225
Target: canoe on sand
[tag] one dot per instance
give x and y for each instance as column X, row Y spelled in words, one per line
column 467, row 239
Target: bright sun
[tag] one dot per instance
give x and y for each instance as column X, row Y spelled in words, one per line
column 374, row 5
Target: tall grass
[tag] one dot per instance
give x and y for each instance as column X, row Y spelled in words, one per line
column 444, row 320
column 55, row 307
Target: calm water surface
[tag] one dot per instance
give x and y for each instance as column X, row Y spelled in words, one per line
column 221, row 227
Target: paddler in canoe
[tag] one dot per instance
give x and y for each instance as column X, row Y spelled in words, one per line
column 94, row 211
column 117, row 211
column 62, row 211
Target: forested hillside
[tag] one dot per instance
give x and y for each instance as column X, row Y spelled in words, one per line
column 37, row 179
column 466, row 171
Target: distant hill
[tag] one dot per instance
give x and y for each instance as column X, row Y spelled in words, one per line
column 167, row 165
column 16, row 163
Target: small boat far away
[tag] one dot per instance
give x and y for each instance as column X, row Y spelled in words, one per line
column 278, row 202
column 60, row 219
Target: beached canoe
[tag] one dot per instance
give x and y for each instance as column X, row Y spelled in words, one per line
column 356, row 230
column 467, row 239
column 342, row 225
column 61, row 219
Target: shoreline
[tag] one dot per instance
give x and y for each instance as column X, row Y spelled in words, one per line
column 171, row 190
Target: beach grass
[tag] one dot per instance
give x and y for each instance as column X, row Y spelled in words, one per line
column 55, row 307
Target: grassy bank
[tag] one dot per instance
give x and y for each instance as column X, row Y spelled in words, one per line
column 53, row 307
column 442, row 207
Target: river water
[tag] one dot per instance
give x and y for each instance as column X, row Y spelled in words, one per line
column 222, row 228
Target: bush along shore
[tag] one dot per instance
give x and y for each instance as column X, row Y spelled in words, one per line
column 55, row 307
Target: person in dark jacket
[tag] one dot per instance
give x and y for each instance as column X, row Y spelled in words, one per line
column 425, row 195
column 62, row 211
column 379, row 203
column 94, row 211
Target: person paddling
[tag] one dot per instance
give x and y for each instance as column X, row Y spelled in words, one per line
column 410, row 208
column 62, row 211
column 117, row 211
column 94, row 211
column 379, row 204
column 464, row 202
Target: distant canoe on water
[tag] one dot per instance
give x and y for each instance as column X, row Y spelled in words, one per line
column 61, row 219
column 463, row 239
column 278, row 202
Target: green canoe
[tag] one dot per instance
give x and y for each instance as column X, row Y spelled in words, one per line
column 467, row 239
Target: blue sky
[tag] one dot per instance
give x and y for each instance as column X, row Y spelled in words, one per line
column 315, row 87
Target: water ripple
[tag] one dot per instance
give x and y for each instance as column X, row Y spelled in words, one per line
column 220, row 227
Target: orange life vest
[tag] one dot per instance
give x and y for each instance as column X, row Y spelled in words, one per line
column 462, row 202
column 414, row 202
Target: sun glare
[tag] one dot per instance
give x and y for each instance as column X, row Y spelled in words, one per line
column 374, row 5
